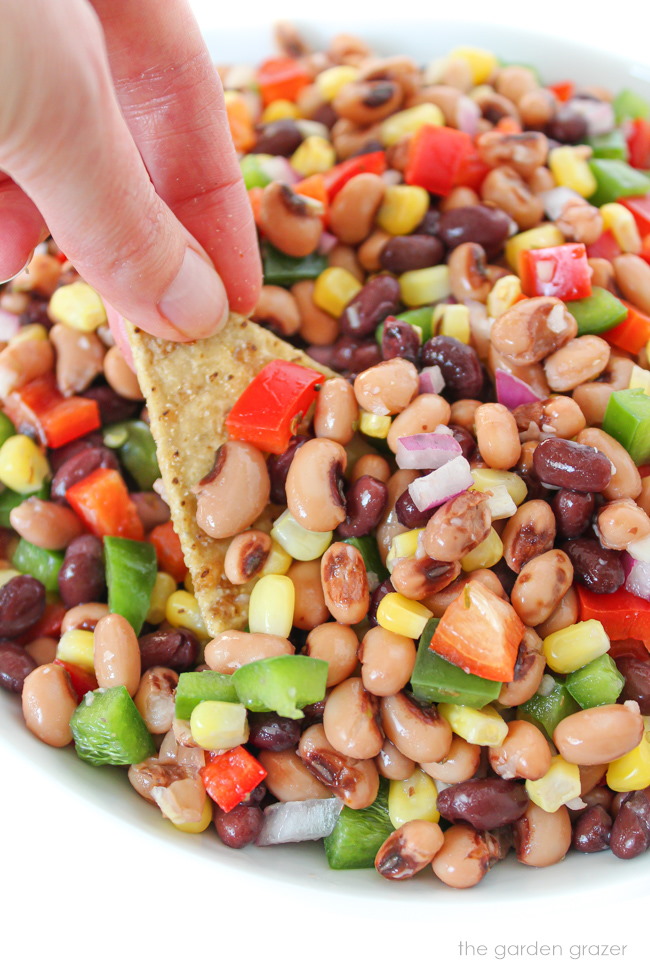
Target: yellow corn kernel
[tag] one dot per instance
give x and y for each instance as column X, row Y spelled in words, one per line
column 7, row 574
column 329, row 82
column 487, row 479
column 188, row 584
column 29, row 333
column 77, row 647
column 271, row 605
column 182, row 609
column 570, row 168
column 632, row 771
column 78, row 306
column 639, row 379
column 575, row 646
column 279, row 109
column 278, row 562
column 413, row 798
column 619, row 220
column 486, row 554
column 203, row 823
column 403, row 546
column 425, row 286
column 546, row 235
column 484, row 727
column 402, row 209
column 452, row 320
column 373, row 425
column 482, row 63
column 23, row 465
column 313, row 155
column 560, row 784
column 163, row 587
column 299, row 542
column 333, row 289
column 397, row 127
column 504, row 294
column 219, row 724
column 401, row 615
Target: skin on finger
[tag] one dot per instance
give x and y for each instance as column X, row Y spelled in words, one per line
column 76, row 159
column 22, row 228
column 118, row 331
column 171, row 97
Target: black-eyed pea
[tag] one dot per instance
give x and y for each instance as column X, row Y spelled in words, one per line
column 79, row 358
column 120, row 376
column 579, row 361
column 524, row 152
column 278, row 310
column 291, row 222
column 235, row 492
column 117, row 653
column 336, row 415
column 337, row 645
column 387, row 388
column 288, row 779
column 530, row 532
column 468, row 277
column 48, row 704
column 506, row 189
column 154, row 699
column 633, row 278
column 369, row 254
column 345, row 583
column 422, row 415
column 626, row 480
column 352, row 213
column 355, row 781
column 566, row 612
column 342, row 255
column 523, row 754
column 419, row 731
column 310, row 609
column 599, row 735
column 529, row 670
column 232, row 649
column 316, row 326
column 313, row 485
column 350, row 720
column 246, row 556
column 465, row 856
column 387, row 661
column 497, row 436
column 622, row 522
column 371, row 465
column 459, row 764
column 392, row 765
column 542, row 838
column 409, row 849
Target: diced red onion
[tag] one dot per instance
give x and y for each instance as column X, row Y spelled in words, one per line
column 326, row 243
column 428, row 451
column 9, row 325
column 391, row 177
column 576, row 804
column 280, row 170
column 640, row 550
column 441, row 485
column 513, row 392
column 467, row 115
column 556, row 199
column 431, row 380
column 598, row 115
column 637, row 574
column 295, row 822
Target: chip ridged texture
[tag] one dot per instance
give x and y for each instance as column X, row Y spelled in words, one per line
column 189, row 389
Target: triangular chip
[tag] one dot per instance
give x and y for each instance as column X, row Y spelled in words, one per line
column 189, row 389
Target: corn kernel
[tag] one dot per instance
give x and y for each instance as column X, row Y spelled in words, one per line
column 402, row 209
column 313, row 155
column 560, row 784
column 7, row 574
column 401, row 615
column 631, row 771
column 203, row 823
column 271, row 605
column 452, row 320
column 575, row 646
column 30, row 333
column 413, row 798
column 23, row 465
column 333, row 289
column 182, row 609
column 402, row 124
column 619, row 220
column 278, row 562
column 188, row 584
column 482, row 63
column 373, row 425
column 163, row 587
column 484, row 727
column 504, row 294
column 425, row 286
column 219, row 724
column 403, row 546
column 639, row 379
column 78, row 306
column 299, row 542
column 546, row 235
column 487, row 479
column 486, row 554
column 570, row 168
column 77, row 647
column 329, row 82
column 279, row 109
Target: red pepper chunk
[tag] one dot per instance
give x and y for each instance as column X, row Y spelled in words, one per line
column 435, row 158
column 563, row 90
column 269, row 410
column 336, row 178
column 56, row 420
column 102, row 502
column 638, row 143
column 168, row 551
column 558, row 272
column 82, row 680
column 639, row 207
column 632, row 334
column 230, row 777
column 281, row 78
column 605, row 247
column 623, row 615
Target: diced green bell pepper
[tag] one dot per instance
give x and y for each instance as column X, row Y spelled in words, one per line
column 252, row 170
column 612, row 145
column 137, row 449
column 281, row 269
column 359, row 833
column 204, row 685
column 109, row 730
column 598, row 313
column 131, row 569
column 627, row 419
column 41, row 563
column 7, row 429
column 547, row 710
column 628, row 104
column 616, row 179
column 434, row 679
column 367, row 545
column 420, row 318
column 284, row 684
column 11, row 499
column 597, row 683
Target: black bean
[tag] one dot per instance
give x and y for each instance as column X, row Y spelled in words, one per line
column 22, row 603
column 459, row 364
column 637, row 681
column 408, row 514
column 239, row 827
column 505, row 575
column 82, row 578
column 326, row 115
column 487, row 226
column 36, row 312
column 61, row 455
column 465, row 439
column 567, row 126
column 278, row 467
column 353, row 356
column 176, row 648
column 79, row 466
column 599, row 569
column 400, row 340
column 565, row 464
column 151, row 508
column 429, row 223
column 313, row 713
column 256, row 797
column 377, row 596
column 364, row 505
column 15, row 665
column 631, row 830
column 113, row 408
column 279, row 138
column 372, row 145
column 573, row 511
column 273, row 732
column 377, row 299
column 400, row 254
column 483, row 803
column 592, row 830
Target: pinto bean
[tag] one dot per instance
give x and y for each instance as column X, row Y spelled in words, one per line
column 337, row 646
column 532, row 329
column 288, row 778
column 579, row 361
column 497, row 436
column 409, row 849
column 367, row 102
column 48, row 704
column 523, row 754
column 457, row 527
column 345, row 583
column 232, row 649
column 235, row 492
column 541, row 584
column 529, row 533
column 542, row 838
column 310, row 609
column 353, row 780
column 350, row 720
column 566, row 612
column 622, row 522
column 599, row 734
column 419, row 731
column 312, row 486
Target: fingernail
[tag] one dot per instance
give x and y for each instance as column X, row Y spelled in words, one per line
column 195, row 302
column 22, row 270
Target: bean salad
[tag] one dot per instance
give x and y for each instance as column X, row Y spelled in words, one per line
column 443, row 537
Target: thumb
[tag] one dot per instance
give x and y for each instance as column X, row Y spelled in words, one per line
column 75, row 158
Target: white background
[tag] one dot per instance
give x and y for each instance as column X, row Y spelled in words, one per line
column 78, row 892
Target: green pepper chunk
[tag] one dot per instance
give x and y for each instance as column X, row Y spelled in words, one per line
column 434, row 679
column 616, row 179
column 205, row 685
column 612, row 145
column 137, row 450
column 367, row 545
column 627, row 419
column 359, row 833
column 108, row 729
column 547, row 710
column 7, row 429
column 420, row 318
column 11, row 499
column 131, row 569
column 41, row 563
column 252, row 170
column 597, row 313
column 628, row 104
column 597, row 683
column 284, row 684
column 281, row 269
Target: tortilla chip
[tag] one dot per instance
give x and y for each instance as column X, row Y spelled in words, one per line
column 189, row 389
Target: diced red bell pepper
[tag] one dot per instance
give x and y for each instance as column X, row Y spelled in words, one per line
column 48, row 625
column 269, row 410
column 314, row 188
column 336, row 178
column 645, row 248
column 559, row 272
column 638, row 143
column 435, row 157
column 606, row 247
column 632, row 334
column 623, row 615
column 82, row 680
column 168, row 550
column 563, row 90
column 230, row 777
column 281, row 78
column 639, row 207
column 102, row 502
column 39, row 406
column 472, row 171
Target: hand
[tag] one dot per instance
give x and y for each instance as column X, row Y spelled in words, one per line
column 113, row 134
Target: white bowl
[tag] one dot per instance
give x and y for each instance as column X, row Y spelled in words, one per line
column 304, row 867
